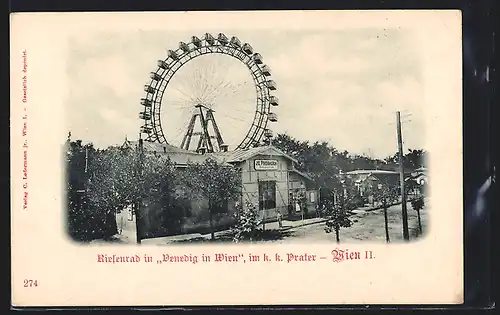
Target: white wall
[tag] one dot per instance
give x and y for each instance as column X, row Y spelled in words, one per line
column 251, row 177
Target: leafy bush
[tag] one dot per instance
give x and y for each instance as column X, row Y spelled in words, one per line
column 418, row 204
column 358, row 201
column 337, row 218
column 247, row 223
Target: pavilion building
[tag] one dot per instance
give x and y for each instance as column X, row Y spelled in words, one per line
column 269, row 178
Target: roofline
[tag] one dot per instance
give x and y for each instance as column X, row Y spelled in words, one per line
column 301, row 174
column 259, row 151
column 371, row 171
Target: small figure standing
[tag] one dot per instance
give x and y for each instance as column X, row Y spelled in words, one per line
column 279, row 217
column 319, row 210
column 122, row 221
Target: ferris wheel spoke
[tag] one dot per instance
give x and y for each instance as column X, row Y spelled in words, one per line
column 193, row 81
column 205, row 85
column 178, row 105
column 239, row 110
column 183, row 107
column 214, row 89
column 185, row 87
column 185, row 117
column 233, row 92
column 182, row 92
column 231, row 124
column 198, row 82
column 181, row 131
column 179, row 101
column 223, row 82
column 234, row 118
column 203, row 91
column 240, row 99
column 219, row 73
column 205, row 74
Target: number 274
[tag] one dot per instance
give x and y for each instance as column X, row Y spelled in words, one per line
column 30, row 283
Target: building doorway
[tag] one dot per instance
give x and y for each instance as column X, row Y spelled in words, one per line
column 267, row 195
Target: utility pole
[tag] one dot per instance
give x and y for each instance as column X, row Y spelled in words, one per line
column 86, row 159
column 406, row 234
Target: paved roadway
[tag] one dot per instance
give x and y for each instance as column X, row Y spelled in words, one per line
column 369, row 227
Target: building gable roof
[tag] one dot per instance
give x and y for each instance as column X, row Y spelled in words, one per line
column 243, row 155
column 157, row 147
column 176, row 155
column 371, row 172
column 302, row 174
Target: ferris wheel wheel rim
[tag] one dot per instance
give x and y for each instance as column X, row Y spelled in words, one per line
column 165, row 75
column 250, row 137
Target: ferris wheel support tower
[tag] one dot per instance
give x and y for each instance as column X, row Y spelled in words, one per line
column 205, row 143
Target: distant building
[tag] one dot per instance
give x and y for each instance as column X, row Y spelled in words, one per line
column 419, row 176
column 367, row 181
column 191, row 213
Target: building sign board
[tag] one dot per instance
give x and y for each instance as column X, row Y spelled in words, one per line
column 266, row 165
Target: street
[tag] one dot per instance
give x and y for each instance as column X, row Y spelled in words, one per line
column 369, row 227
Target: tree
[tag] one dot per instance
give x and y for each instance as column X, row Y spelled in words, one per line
column 247, row 223
column 114, row 179
column 337, row 218
column 417, row 205
column 322, row 167
column 139, row 177
column 317, row 160
column 415, row 159
column 158, row 179
column 103, row 201
column 217, row 182
column 79, row 219
column 89, row 207
column 293, row 147
column 385, row 195
column 363, row 162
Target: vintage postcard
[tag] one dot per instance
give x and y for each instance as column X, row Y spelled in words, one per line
column 236, row 158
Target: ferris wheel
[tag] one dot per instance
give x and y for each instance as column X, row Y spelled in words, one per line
column 204, row 79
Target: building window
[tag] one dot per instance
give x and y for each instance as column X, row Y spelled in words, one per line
column 267, row 195
column 221, row 207
column 312, row 197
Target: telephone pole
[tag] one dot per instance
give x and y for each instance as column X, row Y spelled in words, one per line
column 406, row 234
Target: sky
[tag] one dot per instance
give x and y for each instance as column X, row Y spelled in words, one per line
column 341, row 86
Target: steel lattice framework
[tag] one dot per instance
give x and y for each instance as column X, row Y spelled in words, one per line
column 167, row 68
